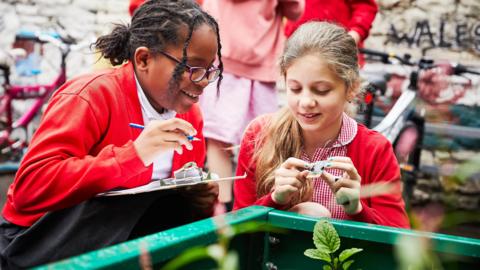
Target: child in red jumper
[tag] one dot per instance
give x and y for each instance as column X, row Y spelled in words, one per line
column 355, row 15
column 320, row 68
column 85, row 146
column 252, row 39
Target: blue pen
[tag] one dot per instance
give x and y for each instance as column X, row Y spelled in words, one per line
column 190, row 138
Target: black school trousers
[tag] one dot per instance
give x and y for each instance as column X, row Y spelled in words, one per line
column 93, row 224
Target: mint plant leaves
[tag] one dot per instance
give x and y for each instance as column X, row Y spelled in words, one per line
column 327, row 242
column 325, row 237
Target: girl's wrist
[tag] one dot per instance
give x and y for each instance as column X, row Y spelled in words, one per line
column 357, row 210
column 277, row 199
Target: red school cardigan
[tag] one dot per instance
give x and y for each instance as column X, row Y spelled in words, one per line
column 84, row 146
column 370, row 152
column 357, row 15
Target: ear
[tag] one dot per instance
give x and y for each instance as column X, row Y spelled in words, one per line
column 142, row 57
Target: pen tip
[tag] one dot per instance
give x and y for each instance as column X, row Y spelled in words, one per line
column 192, row 138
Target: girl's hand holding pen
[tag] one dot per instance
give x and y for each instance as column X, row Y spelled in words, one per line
column 160, row 136
column 189, row 137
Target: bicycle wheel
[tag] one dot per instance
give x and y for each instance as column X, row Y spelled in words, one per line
column 406, row 142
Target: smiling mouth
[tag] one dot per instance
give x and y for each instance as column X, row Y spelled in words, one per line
column 190, row 94
column 309, row 115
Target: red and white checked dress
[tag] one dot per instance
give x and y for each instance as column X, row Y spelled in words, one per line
column 322, row 193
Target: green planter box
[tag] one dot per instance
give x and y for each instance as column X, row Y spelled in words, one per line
column 284, row 251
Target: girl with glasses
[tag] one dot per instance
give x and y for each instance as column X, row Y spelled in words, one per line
column 320, row 69
column 85, row 146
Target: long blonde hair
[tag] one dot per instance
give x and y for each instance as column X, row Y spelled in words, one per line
column 282, row 136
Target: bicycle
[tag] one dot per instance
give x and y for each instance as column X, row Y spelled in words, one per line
column 403, row 125
column 13, row 146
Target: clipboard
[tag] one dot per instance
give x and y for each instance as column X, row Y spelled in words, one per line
column 168, row 183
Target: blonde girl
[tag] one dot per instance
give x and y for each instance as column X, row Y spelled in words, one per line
column 320, row 68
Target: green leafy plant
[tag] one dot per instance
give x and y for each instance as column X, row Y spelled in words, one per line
column 327, row 242
column 220, row 253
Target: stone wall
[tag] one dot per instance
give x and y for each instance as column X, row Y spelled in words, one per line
column 452, row 179
column 447, row 29
column 80, row 18
column 440, row 30
column 83, row 20
column 444, row 29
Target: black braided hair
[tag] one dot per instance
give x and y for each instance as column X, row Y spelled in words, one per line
column 212, row 21
column 157, row 24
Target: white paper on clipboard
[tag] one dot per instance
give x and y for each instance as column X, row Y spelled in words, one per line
column 157, row 185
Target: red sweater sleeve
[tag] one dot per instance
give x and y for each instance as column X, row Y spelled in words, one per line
column 363, row 13
column 381, row 166
column 133, row 5
column 58, row 171
column 245, row 191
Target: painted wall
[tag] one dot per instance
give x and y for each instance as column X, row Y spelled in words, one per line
column 447, row 29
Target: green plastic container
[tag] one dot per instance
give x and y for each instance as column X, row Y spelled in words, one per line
column 283, row 251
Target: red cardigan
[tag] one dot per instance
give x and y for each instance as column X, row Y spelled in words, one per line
column 356, row 15
column 84, row 146
column 371, row 154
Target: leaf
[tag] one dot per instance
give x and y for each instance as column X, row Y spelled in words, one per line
column 255, row 226
column 348, row 252
column 347, row 264
column 187, row 257
column 230, row 262
column 317, row 254
column 216, row 251
column 327, row 267
column 335, row 263
column 325, row 237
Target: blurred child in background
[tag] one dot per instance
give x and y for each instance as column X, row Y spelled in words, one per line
column 252, row 38
column 355, row 15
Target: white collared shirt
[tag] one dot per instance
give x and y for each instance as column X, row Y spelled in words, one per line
column 162, row 165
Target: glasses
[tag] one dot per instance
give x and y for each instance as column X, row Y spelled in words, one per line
column 197, row 74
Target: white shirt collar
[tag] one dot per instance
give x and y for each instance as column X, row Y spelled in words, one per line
column 348, row 131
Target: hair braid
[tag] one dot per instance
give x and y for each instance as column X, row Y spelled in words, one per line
column 214, row 23
column 157, row 24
